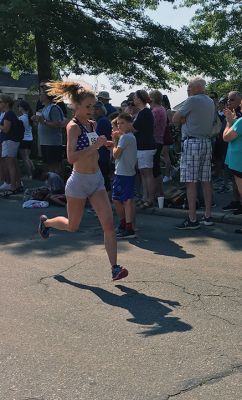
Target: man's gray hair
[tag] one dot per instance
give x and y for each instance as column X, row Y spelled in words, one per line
column 198, row 81
column 236, row 94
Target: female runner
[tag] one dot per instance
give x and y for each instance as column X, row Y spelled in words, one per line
column 86, row 180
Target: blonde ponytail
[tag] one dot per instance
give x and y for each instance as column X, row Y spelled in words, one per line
column 73, row 91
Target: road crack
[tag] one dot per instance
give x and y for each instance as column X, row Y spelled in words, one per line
column 209, row 380
column 43, row 278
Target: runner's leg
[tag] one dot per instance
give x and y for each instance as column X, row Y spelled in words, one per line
column 75, row 209
column 101, row 204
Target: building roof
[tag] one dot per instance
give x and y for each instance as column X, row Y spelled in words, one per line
column 25, row 80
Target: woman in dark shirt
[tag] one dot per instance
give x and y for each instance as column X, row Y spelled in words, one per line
column 144, row 133
column 10, row 143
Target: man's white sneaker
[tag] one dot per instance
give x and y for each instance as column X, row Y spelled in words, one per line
column 208, row 221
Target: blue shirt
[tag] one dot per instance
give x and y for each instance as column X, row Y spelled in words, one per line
column 234, row 152
column 110, row 109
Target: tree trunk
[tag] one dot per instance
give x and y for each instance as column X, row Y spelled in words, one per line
column 43, row 57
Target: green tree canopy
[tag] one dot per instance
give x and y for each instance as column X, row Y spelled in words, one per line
column 219, row 22
column 111, row 36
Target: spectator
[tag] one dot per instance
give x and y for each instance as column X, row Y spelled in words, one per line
column 104, row 127
column 53, row 182
column 125, row 155
column 50, row 123
column 10, row 143
column 39, row 106
column 104, row 98
column 220, row 146
column 198, row 110
column 160, row 121
column 26, row 144
column 124, row 106
column 3, row 176
column 234, row 101
column 214, row 97
column 144, row 133
column 132, row 109
column 165, row 149
column 233, row 135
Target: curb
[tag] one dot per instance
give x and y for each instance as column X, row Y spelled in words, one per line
column 220, row 217
column 178, row 213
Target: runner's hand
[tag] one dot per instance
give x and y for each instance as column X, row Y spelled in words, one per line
column 101, row 141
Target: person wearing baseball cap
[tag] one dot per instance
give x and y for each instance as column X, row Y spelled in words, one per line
column 104, row 97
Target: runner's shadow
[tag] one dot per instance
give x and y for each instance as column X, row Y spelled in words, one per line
column 145, row 310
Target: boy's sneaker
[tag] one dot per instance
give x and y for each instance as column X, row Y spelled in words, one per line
column 208, row 221
column 126, row 234
column 232, row 206
column 119, row 272
column 42, row 229
column 188, row 224
column 119, row 230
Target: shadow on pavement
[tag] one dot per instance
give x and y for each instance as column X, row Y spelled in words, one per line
column 163, row 246
column 146, row 310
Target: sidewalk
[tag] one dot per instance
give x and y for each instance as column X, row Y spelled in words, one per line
column 218, row 215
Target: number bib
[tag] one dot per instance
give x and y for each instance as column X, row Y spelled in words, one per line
column 92, row 137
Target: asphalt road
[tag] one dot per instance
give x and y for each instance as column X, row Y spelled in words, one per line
column 171, row 330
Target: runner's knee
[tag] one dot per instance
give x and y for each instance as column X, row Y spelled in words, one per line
column 108, row 226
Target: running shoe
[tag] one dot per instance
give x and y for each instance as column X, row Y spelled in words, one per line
column 188, row 224
column 42, row 229
column 126, row 234
column 119, row 272
column 208, row 221
column 232, row 206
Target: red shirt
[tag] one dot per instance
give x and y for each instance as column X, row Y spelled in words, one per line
column 160, row 121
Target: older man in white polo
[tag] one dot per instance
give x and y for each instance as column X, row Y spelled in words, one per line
column 105, row 98
column 197, row 117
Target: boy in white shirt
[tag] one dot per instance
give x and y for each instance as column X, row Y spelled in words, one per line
column 125, row 155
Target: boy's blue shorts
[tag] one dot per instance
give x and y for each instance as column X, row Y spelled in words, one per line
column 123, row 187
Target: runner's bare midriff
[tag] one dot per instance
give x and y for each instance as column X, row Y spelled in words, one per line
column 88, row 164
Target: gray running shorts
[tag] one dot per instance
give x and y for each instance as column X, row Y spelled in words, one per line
column 82, row 186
